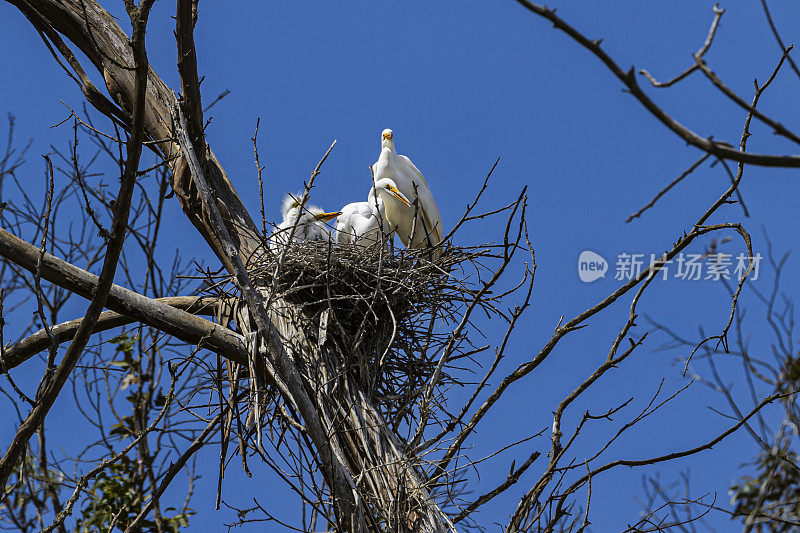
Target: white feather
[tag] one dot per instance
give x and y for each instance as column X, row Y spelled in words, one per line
column 305, row 224
column 361, row 222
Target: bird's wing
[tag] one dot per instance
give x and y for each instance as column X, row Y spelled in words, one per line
column 347, row 212
column 343, row 225
column 430, row 211
column 365, row 223
column 413, row 168
column 431, row 215
column 428, row 207
column 365, row 210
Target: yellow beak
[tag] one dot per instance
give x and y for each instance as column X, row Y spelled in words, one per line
column 325, row 217
column 397, row 194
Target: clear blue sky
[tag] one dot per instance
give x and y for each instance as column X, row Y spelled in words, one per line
column 462, row 83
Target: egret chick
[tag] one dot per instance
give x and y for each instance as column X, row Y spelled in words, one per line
column 290, row 210
column 307, row 223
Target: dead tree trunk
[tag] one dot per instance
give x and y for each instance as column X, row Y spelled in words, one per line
column 384, row 474
column 375, row 484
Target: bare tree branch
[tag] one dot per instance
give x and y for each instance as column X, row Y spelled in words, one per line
column 709, row 145
column 185, row 326
column 19, row 352
column 36, row 417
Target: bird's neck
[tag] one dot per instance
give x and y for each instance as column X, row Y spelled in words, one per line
column 387, row 143
column 374, row 200
column 387, row 160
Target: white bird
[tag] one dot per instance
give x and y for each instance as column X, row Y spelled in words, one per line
column 307, row 223
column 291, row 207
column 316, row 226
column 290, row 210
column 427, row 230
column 363, row 222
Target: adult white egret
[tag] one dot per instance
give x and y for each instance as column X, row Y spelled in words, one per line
column 362, row 222
column 427, row 229
column 307, row 223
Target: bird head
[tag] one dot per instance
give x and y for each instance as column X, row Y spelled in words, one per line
column 292, row 201
column 388, row 185
column 387, row 139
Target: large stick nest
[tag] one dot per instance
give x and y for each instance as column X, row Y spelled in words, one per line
column 383, row 309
